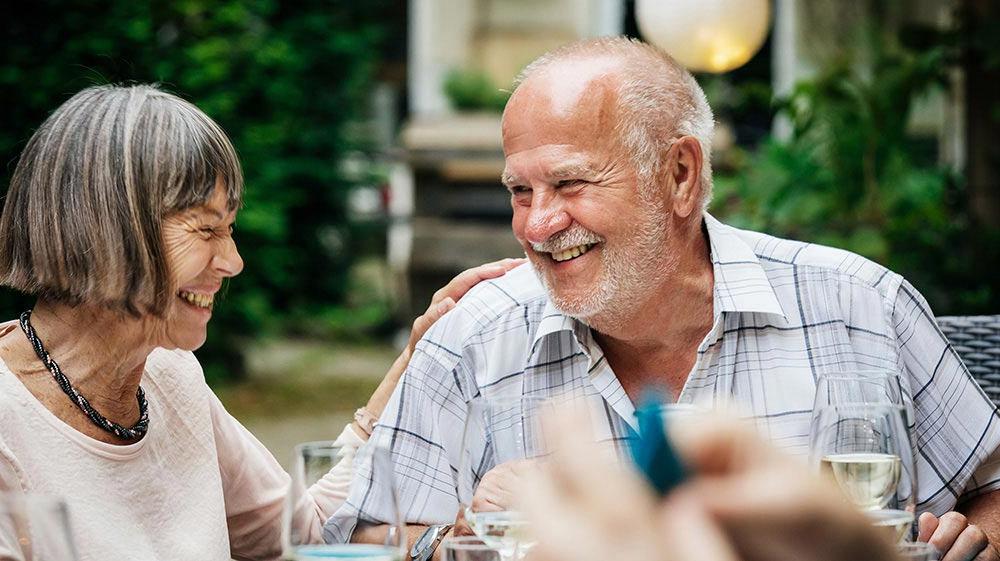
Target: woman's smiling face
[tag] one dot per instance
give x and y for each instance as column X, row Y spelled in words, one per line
column 200, row 253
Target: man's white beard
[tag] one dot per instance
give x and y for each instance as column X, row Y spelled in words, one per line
column 630, row 273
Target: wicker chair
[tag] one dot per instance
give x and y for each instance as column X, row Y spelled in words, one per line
column 977, row 341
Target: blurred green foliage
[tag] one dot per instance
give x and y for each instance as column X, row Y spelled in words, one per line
column 286, row 79
column 473, row 90
column 851, row 176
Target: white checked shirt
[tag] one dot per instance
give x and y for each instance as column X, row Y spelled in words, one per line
column 785, row 311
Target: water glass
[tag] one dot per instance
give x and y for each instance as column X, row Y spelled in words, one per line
column 35, row 528
column 467, row 548
column 319, row 464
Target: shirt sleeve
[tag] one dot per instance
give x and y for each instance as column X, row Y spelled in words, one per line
column 956, row 427
column 421, row 430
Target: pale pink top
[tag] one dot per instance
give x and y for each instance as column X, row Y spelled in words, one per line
column 197, row 487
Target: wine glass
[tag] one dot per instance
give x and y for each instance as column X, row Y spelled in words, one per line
column 500, row 432
column 865, row 449
column 318, row 464
column 467, row 548
column 858, row 386
column 35, row 528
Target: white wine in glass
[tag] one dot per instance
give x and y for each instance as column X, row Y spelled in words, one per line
column 865, row 449
column 504, row 531
column 868, row 479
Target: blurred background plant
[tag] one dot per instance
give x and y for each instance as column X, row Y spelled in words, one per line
column 287, row 80
column 851, row 176
column 474, row 90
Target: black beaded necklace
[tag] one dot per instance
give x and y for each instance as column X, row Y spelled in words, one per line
column 134, row 433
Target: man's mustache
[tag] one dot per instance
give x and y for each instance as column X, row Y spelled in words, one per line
column 571, row 237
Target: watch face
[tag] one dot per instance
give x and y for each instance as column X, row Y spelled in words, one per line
column 425, row 540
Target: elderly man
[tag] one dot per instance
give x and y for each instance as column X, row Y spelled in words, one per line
column 632, row 284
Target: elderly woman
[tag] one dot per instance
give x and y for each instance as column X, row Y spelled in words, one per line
column 119, row 219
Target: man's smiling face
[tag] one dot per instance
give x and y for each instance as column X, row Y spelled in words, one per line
column 597, row 242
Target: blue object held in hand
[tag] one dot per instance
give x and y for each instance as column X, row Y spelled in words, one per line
column 653, row 453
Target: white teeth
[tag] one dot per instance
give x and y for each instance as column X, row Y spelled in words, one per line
column 200, row 300
column 572, row 252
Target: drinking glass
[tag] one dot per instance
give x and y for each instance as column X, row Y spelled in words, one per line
column 467, row 548
column 918, row 551
column 35, row 528
column 499, row 431
column 865, row 449
column 319, row 463
column 859, row 386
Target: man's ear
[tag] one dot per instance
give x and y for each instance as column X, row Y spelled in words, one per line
column 683, row 176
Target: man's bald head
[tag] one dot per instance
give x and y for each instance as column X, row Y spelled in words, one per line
column 657, row 99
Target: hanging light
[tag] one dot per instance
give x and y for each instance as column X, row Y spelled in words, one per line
column 705, row 35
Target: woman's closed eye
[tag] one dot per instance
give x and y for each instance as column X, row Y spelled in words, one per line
column 221, row 231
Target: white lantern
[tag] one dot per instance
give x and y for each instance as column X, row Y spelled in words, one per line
column 705, row 35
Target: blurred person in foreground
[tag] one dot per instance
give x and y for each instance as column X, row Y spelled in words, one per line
column 632, row 284
column 744, row 501
column 119, row 219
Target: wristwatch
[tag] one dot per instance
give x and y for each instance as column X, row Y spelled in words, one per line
column 425, row 546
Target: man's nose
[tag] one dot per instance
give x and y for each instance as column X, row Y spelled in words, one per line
column 546, row 218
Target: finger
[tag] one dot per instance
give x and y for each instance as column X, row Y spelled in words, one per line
column 489, row 498
column 988, row 554
column 720, row 446
column 471, row 277
column 950, row 526
column 927, row 523
column 691, row 531
column 430, row 317
column 967, row 546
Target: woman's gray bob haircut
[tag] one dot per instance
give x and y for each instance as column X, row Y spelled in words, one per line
column 83, row 215
column 658, row 101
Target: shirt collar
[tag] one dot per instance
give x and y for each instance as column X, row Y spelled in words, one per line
column 741, row 285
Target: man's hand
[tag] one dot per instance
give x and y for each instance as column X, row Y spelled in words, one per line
column 955, row 538
column 499, row 487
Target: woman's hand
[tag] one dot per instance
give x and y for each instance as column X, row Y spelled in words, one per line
column 441, row 303
column 444, row 299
